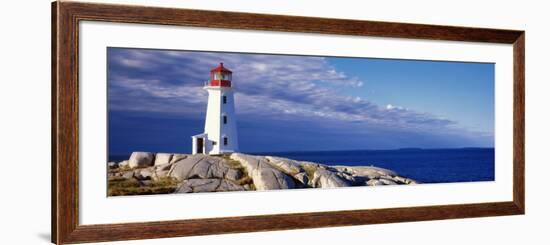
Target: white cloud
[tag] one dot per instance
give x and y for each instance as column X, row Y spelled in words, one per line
column 269, row 85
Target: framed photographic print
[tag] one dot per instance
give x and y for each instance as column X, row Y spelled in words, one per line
column 175, row 122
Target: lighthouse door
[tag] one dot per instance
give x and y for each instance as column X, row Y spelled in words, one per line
column 200, row 145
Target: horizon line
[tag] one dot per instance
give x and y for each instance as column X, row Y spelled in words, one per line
column 304, row 151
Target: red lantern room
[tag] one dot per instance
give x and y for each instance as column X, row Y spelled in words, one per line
column 220, row 76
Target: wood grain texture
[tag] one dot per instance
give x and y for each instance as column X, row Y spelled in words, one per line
column 150, row 230
column 65, row 121
column 234, row 20
column 54, row 121
column 519, row 122
column 66, row 124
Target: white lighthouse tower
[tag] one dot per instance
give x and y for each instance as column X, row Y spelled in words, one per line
column 220, row 127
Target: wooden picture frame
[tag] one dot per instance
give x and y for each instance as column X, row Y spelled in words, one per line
column 65, row 121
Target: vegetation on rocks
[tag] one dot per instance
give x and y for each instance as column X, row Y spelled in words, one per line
column 309, row 170
column 231, row 163
column 234, row 164
column 148, row 173
column 120, row 186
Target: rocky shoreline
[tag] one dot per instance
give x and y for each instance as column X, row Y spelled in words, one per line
column 150, row 173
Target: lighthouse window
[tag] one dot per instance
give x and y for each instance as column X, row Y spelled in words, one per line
column 224, row 140
column 224, row 119
column 225, row 99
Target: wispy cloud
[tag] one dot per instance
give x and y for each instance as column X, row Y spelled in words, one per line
column 268, row 86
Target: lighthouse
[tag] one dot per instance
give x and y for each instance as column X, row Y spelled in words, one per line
column 220, row 126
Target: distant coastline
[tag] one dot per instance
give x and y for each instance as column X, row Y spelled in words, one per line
column 372, row 150
column 441, row 165
column 123, row 156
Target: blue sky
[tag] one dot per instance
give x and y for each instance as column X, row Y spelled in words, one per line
column 299, row 103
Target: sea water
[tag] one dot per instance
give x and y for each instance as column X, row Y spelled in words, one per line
column 424, row 165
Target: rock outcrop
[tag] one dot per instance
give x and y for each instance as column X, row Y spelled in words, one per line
column 112, row 165
column 264, row 175
column 141, row 159
column 124, row 164
column 208, row 185
column 202, row 167
column 241, row 172
column 162, row 158
column 323, row 178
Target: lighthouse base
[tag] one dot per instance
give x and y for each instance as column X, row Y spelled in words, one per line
column 202, row 145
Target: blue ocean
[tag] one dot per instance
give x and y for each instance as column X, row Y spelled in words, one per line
column 424, row 165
